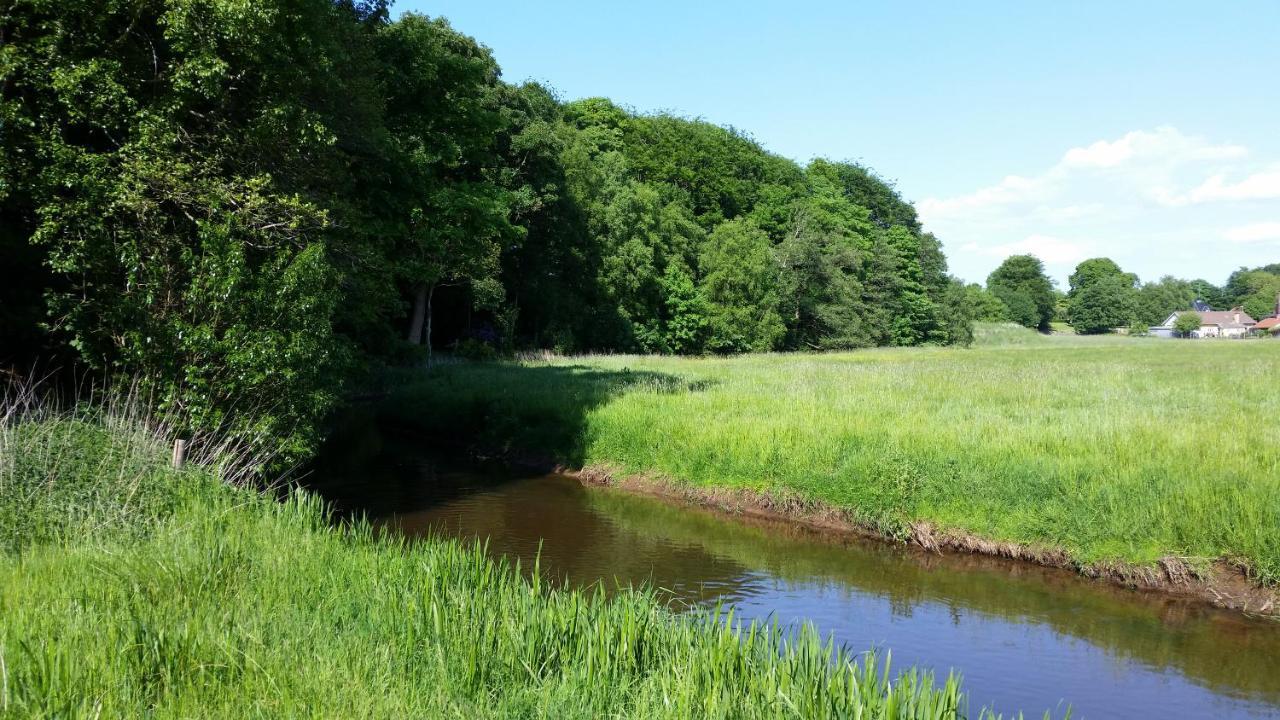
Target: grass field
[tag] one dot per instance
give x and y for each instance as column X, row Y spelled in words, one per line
column 131, row 590
column 1109, row 447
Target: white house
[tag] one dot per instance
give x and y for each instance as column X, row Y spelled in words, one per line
column 1233, row 323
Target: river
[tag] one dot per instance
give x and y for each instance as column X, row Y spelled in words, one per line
column 1023, row 637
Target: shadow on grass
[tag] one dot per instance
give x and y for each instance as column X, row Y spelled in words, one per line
column 516, row 419
column 523, row 414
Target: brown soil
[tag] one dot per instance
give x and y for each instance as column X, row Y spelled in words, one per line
column 1220, row 583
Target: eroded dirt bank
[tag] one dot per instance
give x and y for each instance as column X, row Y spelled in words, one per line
column 1220, row 583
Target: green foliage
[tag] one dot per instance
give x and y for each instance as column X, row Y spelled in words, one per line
column 1158, row 300
column 1209, row 293
column 1257, row 291
column 740, row 284
column 985, row 305
column 245, row 206
column 1049, row 440
column 1102, row 297
column 1186, row 323
column 1021, row 284
column 215, row 601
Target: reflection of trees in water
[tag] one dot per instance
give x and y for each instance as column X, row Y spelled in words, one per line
column 580, row 545
column 598, row 534
column 1220, row 649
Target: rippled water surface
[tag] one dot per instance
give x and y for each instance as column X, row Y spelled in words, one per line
column 1024, row 638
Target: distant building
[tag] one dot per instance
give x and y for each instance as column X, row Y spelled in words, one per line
column 1270, row 325
column 1233, row 323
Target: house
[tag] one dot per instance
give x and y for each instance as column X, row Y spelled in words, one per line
column 1270, row 325
column 1233, row 323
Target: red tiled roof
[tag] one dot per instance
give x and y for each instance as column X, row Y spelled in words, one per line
column 1267, row 323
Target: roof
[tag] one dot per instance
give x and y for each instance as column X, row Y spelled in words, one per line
column 1227, row 318
column 1267, row 323
column 1221, row 318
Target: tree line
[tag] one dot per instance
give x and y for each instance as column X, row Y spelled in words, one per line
column 1102, row 297
column 245, row 205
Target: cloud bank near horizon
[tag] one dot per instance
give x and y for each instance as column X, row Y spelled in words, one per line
column 1158, row 202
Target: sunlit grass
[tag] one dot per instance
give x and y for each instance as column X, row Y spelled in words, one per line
column 142, row 592
column 1109, row 447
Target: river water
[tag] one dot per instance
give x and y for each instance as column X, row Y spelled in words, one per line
column 1023, row 638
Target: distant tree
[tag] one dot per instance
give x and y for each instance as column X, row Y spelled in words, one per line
column 1253, row 290
column 1103, row 305
column 1211, row 294
column 1020, row 282
column 984, row 305
column 1186, row 323
column 1102, row 296
column 1157, row 300
column 740, row 286
column 1061, row 308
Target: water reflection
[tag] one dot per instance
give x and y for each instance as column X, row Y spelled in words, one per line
column 1024, row 637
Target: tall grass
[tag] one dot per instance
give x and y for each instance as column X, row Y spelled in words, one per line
column 1111, row 448
column 139, row 591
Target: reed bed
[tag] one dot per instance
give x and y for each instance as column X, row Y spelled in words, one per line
column 1112, row 449
column 141, row 591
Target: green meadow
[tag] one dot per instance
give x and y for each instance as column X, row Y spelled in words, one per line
column 1108, row 447
column 128, row 589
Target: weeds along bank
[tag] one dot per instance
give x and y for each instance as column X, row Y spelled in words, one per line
column 128, row 590
column 1109, row 448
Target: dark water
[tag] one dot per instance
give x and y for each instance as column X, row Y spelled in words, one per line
column 1024, row 638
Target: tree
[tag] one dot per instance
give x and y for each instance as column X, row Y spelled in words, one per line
column 1158, row 300
column 1186, row 323
column 1103, row 305
column 1021, row 284
column 443, row 115
column 821, row 259
column 186, row 203
column 740, row 285
column 1257, row 291
column 1209, row 293
column 1102, row 297
column 984, row 305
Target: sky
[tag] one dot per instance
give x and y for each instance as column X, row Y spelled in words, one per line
column 1143, row 131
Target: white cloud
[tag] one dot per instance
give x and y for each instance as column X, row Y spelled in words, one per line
column 1141, row 163
column 1164, row 143
column 1010, row 190
column 1253, row 233
column 1258, row 186
column 1156, row 201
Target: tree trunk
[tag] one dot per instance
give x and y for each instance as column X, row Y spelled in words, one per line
column 430, row 294
column 419, row 313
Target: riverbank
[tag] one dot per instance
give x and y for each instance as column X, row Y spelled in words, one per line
column 132, row 589
column 1220, row 583
column 1124, row 458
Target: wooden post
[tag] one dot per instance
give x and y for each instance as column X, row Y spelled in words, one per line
column 179, row 453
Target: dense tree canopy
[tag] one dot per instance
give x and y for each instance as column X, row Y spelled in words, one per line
column 1021, row 284
column 1158, row 300
column 243, row 204
column 1256, row 290
column 1102, row 297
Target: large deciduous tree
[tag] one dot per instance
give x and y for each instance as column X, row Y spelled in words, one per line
column 1021, row 284
column 1102, row 297
column 740, row 285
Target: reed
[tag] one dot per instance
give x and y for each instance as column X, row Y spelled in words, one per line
column 145, row 591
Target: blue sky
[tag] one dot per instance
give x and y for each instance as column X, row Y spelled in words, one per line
column 1148, row 132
